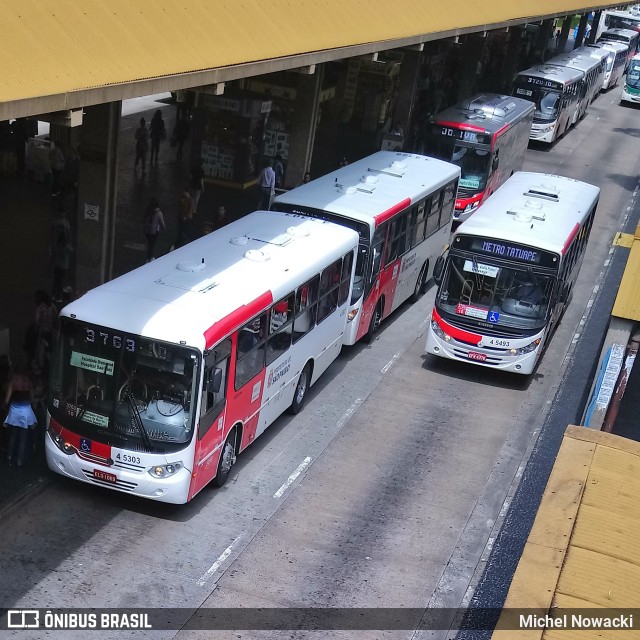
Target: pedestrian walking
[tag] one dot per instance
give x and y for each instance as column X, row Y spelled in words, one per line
column 153, row 225
column 196, row 184
column 278, row 169
column 186, row 228
column 56, row 159
column 61, row 262
column 180, row 135
column 20, row 418
column 142, row 145
column 266, row 185
column 157, row 133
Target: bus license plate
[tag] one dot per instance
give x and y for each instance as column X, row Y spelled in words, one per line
column 105, row 477
column 480, row 357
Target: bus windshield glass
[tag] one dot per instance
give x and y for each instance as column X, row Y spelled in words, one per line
column 633, row 75
column 480, row 289
column 474, row 166
column 123, row 389
column 547, row 102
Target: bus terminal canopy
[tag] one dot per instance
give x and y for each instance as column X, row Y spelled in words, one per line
column 65, row 54
column 582, row 555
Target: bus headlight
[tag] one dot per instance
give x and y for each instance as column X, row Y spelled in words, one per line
column 165, row 470
column 61, row 443
column 439, row 332
column 471, row 207
column 528, row 349
column 352, row 314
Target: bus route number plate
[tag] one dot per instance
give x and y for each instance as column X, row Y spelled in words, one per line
column 105, row 477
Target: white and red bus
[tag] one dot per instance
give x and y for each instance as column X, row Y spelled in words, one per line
column 401, row 206
column 487, row 137
column 163, row 375
column 510, row 271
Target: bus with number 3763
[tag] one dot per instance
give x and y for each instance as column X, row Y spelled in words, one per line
column 163, row 375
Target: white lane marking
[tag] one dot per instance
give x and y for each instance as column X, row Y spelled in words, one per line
column 216, row 565
column 292, row 477
column 576, row 337
column 348, row 413
column 390, row 363
column 596, row 289
column 607, row 262
column 589, row 305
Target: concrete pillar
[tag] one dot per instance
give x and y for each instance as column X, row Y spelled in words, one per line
column 303, row 126
column 469, row 79
column 582, row 28
column 97, row 190
column 511, row 61
column 407, row 89
column 546, row 42
column 564, row 33
column 594, row 27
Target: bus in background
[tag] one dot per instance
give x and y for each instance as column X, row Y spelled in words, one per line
column 510, row 271
column 618, row 20
column 163, row 375
column 555, row 91
column 401, row 205
column 616, row 62
column 625, row 36
column 593, row 63
column 631, row 89
column 486, row 136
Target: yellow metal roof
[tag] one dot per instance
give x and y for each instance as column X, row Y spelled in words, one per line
column 56, row 47
column 627, row 304
column 583, row 549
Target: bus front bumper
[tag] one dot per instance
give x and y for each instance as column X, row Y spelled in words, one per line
column 489, row 358
column 630, row 97
column 173, row 489
column 542, row 132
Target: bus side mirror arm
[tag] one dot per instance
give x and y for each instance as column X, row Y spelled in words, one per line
column 213, row 384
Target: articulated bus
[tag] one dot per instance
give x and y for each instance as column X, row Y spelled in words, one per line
column 510, row 271
column 556, row 92
column 631, row 89
column 592, row 63
column 487, row 137
column 401, row 205
column 163, row 375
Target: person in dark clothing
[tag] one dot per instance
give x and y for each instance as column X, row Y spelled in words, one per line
column 157, row 133
column 181, row 134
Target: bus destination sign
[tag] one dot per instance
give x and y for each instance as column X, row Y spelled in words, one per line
column 463, row 134
column 507, row 250
column 544, row 82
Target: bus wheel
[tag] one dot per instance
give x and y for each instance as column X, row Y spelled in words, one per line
column 227, row 460
column 376, row 318
column 420, row 282
column 301, row 390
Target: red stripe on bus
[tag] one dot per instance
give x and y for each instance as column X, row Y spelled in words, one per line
column 459, row 125
column 389, row 213
column 226, row 325
column 461, row 203
column 572, row 235
column 458, row 334
column 500, row 131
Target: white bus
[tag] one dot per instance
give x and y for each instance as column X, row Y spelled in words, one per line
column 630, row 37
column 592, row 63
column 510, row 271
column 631, row 89
column 401, row 204
column 556, row 93
column 163, row 375
column 616, row 61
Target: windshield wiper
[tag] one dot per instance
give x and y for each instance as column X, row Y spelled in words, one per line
column 134, row 413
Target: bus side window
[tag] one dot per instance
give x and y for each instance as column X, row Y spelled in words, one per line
column 329, row 284
column 433, row 221
column 280, row 327
column 379, row 248
column 448, row 202
column 305, row 308
column 214, row 386
column 250, row 350
column 397, row 237
column 421, row 220
column 345, row 278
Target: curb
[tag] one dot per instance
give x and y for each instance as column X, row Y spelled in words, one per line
column 32, row 489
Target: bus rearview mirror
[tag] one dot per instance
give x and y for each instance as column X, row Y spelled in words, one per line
column 438, row 269
column 213, row 386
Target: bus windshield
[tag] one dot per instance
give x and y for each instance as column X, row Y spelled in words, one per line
column 123, row 389
column 547, row 101
column 633, row 75
column 474, row 167
column 513, row 297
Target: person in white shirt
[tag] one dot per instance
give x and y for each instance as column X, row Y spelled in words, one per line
column 266, row 185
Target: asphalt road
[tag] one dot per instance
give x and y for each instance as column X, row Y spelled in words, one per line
column 407, row 466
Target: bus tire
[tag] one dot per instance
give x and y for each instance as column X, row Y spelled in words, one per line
column 302, row 386
column 420, row 283
column 374, row 325
column 227, row 459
